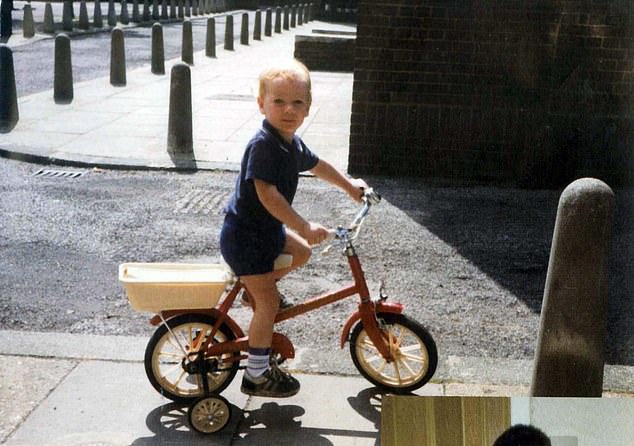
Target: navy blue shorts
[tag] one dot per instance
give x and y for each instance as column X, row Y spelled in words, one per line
column 250, row 251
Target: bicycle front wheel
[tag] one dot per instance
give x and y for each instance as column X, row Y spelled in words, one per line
column 412, row 347
column 170, row 358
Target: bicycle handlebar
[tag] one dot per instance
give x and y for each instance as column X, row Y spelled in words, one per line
column 350, row 233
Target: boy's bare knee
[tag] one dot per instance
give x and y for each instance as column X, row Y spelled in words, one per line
column 302, row 257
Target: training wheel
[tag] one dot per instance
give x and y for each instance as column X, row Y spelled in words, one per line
column 209, row 414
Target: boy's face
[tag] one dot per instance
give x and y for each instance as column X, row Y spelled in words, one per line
column 285, row 105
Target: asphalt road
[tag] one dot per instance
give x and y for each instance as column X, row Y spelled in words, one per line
column 468, row 263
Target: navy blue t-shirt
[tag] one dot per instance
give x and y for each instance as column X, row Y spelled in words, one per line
column 268, row 157
column 251, row 238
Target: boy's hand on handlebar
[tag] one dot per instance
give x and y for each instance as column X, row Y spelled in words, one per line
column 314, row 233
column 358, row 185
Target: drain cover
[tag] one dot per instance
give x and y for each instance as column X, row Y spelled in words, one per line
column 57, row 173
column 202, row 202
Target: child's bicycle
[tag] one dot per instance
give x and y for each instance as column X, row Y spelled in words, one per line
column 197, row 348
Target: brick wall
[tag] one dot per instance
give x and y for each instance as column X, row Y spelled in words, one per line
column 517, row 91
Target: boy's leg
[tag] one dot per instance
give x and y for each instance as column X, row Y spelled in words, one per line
column 260, row 379
column 298, row 248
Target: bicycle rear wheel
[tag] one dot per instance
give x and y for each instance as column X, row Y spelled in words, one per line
column 171, row 358
column 413, row 349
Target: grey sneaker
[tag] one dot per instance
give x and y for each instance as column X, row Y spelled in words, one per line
column 273, row 383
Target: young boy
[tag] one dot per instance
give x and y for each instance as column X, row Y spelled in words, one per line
column 260, row 223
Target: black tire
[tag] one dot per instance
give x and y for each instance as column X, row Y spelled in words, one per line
column 166, row 363
column 412, row 368
column 209, row 414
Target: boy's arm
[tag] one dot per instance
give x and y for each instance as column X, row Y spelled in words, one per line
column 278, row 207
column 329, row 173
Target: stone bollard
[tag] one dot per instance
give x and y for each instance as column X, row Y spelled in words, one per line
column 112, row 14
column 136, row 16
column 83, row 16
column 257, row 25
column 229, row 33
column 300, row 14
column 181, row 9
column 286, row 24
column 278, row 20
column 158, row 51
column 117, row 58
column 28, row 30
column 306, row 12
column 187, row 49
column 179, row 128
column 67, row 16
column 9, row 115
column 63, row 77
column 570, row 352
column 244, row 29
column 194, row 8
column 267, row 22
column 49, row 24
column 188, row 9
column 124, row 17
column 164, row 13
column 146, row 11
column 172, row 9
column 97, row 19
column 155, row 10
column 210, row 40
column 293, row 16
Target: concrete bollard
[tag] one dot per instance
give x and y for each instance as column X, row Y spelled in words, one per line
column 267, row 22
column 124, row 17
column 136, row 15
column 210, row 40
column 179, row 128
column 172, row 9
column 570, row 353
column 287, row 18
column 28, row 30
column 158, row 50
column 117, row 58
column 188, row 8
column 155, row 10
column 67, row 16
column 244, row 29
column 293, row 16
column 49, row 23
column 112, row 14
column 83, row 16
column 181, row 9
column 9, row 115
column 97, row 19
column 300, row 14
column 229, row 33
column 306, row 12
column 278, row 20
column 187, row 49
column 257, row 25
column 194, row 8
column 146, row 11
column 164, row 13
column 63, row 76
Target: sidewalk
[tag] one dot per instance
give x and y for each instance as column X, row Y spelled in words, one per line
column 71, row 389
column 126, row 127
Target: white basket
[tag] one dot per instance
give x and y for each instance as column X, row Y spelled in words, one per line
column 170, row 286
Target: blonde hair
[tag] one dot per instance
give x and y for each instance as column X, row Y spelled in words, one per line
column 291, row 70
